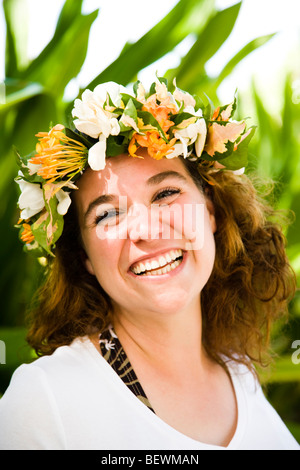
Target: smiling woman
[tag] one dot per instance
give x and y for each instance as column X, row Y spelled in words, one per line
column 160, row 298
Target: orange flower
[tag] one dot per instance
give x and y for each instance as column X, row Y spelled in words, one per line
column 219, row 134
column 152, row 140
column 157, row 147
column 58, row 154
column 160, row 112
column 27, row 235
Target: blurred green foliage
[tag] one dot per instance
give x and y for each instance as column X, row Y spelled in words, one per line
column 34, row 91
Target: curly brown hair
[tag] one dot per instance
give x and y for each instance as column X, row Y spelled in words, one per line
column 249, row 288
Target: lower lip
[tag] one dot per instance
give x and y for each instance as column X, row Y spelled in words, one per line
column 160, row 277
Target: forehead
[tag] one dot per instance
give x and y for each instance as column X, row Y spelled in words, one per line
column 122, row 175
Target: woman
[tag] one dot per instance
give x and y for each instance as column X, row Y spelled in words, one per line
column 166, row 279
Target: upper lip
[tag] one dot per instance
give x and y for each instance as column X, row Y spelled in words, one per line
column 151, row 256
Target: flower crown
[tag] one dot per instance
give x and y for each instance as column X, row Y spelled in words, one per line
column 111, row 121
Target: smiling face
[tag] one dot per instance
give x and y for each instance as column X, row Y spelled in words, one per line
column 137, row 221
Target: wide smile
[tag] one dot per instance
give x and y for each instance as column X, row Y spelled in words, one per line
column 159, row 265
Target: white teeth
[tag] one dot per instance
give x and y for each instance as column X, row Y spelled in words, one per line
column 154, row 265
column 168, row 258
column 166, row 263
column 148, row 266
column 164, row 270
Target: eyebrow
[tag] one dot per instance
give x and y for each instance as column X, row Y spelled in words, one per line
column 156, row 179
column 153, row 180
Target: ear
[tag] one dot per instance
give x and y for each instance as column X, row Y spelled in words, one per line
column 86, row 262
column 89, row 266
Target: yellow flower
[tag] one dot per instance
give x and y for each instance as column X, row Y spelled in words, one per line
column 58, row 155
column 27, row 235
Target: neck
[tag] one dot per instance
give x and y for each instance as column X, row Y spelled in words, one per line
column 160, row 338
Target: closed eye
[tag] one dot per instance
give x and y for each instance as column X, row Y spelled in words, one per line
column 108, row 216
column 165, row 194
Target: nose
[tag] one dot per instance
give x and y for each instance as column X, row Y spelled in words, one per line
column 144, row 223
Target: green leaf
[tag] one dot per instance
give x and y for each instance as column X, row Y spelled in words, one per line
column 149, row 119
column 33, row 115
column 130, row 110
column 79, row 137
column 244, row 52
column 192, row 67
column 136, row 86
column 69, row 12
column 126, row 98
column 26, row 92
column 180, row 22
column 15, row 12
column 65, row 54
column 113, row 148
column 239, row 157
column 284, row 370
column 179, row 118
column 268, row 134
column 48, row 228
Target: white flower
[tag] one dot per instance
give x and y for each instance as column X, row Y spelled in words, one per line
column 33, row 167
column 96, row 157
column 179, row 149
column 183, row 96
column 129, row 122
column 191, row 110
column 163, row 95
column 201, row 138
column 162, row 92
column 141, row 93
column 97, row 119
column 64, row 201
column 31, row 200
column 93, row 119
column 193, row 133
column 239, row 172
column 113, row 89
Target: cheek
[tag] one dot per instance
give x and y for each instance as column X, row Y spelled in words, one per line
column 189, row 221
column 206, row 253
column 102, row 256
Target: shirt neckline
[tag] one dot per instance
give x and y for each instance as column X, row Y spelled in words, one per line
column 240, row 395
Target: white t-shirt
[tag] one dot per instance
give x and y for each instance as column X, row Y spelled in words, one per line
column 73, row 399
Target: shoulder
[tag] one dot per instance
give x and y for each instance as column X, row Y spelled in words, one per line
column 263, row 427
column 59, row 368
column 34, row 397
column 28, row 399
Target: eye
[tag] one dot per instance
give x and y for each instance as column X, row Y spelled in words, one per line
column 165, row 194
column 107, row 217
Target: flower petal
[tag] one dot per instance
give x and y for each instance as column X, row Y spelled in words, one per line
column 31, row 200
column 219, row 135
column 88, row 127
column 239, row 172
column 200, row 141
column 96, row 158
column 64, row 201
column 178, row 150
column 113, row 89
column 183, row 96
